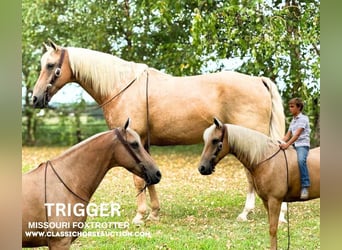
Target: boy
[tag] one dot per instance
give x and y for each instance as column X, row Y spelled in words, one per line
column 299, row 135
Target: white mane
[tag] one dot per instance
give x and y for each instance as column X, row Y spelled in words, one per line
column 102, row 72
column 248, row 145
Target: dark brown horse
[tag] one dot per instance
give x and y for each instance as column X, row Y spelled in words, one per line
column 160, row 103
column 275, row 173
column 70, row 180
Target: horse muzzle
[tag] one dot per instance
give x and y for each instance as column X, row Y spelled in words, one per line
column 151, row 176
column 207, row 168
column 41, row 101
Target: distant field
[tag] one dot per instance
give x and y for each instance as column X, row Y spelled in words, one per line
column 197, row 212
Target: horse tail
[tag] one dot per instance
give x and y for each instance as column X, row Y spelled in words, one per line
column 277, row 122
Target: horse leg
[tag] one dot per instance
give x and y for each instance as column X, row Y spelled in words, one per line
column 141, row 201
column 283, row 210
column 250, row 200
column 155, row 206
column 273, row 209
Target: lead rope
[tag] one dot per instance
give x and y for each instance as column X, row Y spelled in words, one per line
column 45, row 201
column 45, row 193
column 116, row 95
column 65, row 185
column 287, row 204
column 148, row 139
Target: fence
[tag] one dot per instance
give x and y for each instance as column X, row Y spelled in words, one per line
column 64, row 129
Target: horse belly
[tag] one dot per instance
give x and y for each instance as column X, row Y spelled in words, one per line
column 180, row 118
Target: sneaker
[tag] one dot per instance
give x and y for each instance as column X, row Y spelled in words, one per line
column 304, row 194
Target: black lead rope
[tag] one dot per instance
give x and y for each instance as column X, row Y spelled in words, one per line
column 45, row 201
column 287, row 182
column 148, row 139
column 288, row 216
column 116, row 95
column 48, row 163
column 65, row 185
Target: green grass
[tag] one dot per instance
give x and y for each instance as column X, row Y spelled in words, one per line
column 197, row 212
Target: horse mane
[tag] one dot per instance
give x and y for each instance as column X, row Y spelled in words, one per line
column 84, row 143
column 101, row 71
column 247, row 144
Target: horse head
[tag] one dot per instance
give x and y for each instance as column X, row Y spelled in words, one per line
column 134, row 157
column 215, row 147
column 55, row 73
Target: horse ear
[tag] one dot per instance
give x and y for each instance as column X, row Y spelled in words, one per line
column 127, row 123
column 46, row 46
column 52, row 44
column 218, row 123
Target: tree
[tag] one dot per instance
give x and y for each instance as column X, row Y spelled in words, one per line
column 278, row 39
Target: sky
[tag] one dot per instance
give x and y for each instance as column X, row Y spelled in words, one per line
column 70, row 93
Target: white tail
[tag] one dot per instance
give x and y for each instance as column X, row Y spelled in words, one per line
column 277, row 122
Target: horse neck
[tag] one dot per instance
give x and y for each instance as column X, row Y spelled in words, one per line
column 102, row 75
column 250, row 147
column 83, row 166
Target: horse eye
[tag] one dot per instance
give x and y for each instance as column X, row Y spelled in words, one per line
column 50, row 66
column 135, row 145
column 215, row 141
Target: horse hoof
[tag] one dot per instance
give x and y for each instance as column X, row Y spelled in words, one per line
column 241, row 217
column 152, row 217
column 138, row 221
column 282, row 220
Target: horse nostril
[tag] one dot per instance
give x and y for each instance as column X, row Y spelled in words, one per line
column 35, row 99
column 158, row 174
column 202, row 169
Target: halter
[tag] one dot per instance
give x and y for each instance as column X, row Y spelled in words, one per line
column 58, row 70
column 127, row 146
column 220, row 144
column 57, row 74
column 131, row 152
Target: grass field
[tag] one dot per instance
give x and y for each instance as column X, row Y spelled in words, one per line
column 197, row 212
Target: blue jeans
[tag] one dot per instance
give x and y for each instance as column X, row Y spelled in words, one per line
column 302, row 154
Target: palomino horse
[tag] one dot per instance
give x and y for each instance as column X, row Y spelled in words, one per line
column 275, row 173
column 71, row 179
column 160, row 103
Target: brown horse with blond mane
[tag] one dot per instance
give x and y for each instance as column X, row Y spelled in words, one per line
column 275, row 173
column 160, row 103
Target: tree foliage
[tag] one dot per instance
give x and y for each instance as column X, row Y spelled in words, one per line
column 278, row 38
